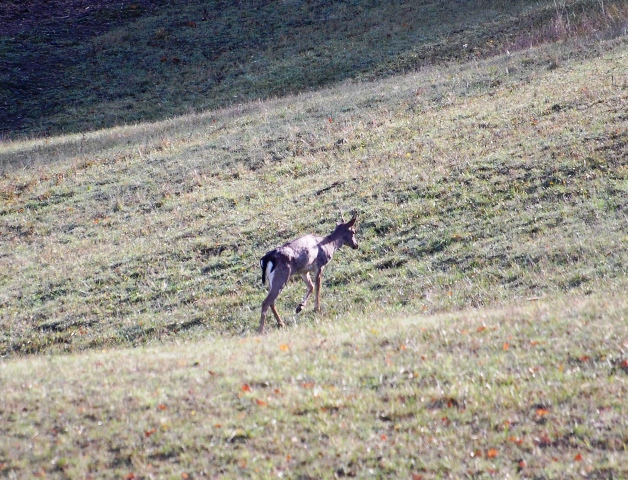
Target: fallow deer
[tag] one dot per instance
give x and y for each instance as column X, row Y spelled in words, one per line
column 305, row 255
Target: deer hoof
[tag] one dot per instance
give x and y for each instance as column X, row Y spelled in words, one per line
column 299, row 308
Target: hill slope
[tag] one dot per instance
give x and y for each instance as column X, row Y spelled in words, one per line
column 475, row 184
column 479, row 331
column 74, row 65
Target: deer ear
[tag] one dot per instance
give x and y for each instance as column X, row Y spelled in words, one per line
column 351, row 222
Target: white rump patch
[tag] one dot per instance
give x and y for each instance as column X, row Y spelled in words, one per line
column 270, row 273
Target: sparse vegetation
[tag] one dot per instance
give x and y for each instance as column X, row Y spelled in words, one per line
column 480, row 329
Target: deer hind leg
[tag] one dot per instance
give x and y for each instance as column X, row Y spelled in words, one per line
column 310, row 286
column 276, row 281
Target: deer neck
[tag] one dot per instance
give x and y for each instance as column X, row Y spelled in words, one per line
column 332, row 242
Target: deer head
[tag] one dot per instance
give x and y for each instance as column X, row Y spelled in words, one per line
column 346, row 231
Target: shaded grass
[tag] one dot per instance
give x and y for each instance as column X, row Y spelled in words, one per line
column 532, row 390
column 81, row 67
column 476, row 184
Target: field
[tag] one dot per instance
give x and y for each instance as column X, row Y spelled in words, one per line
column 529, row 391
column 480, row 330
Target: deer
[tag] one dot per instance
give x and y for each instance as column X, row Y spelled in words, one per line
column 303, row 256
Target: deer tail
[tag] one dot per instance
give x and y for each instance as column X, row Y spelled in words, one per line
column 263, row 263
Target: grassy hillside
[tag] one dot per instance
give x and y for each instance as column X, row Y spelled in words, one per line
column 480, row 331
column 73, row 65
column 476, row 184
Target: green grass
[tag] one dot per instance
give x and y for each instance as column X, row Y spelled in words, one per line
column 479, row 331
column 476, row 184
column 532, row 390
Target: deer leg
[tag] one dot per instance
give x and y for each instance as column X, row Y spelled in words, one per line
column 319, row 276
column 269, row 302
column 310, row 286
column 275, row 284
column 263, row 319
column 280, row 323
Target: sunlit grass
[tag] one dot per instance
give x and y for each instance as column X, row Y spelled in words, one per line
column 514, row 188
column 532, row 389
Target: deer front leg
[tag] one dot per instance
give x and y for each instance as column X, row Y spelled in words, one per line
column 310, row 286
column 319, row 276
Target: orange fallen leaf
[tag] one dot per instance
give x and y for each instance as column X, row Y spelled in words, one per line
column 542, row 412
column 261, row 403
column 578, row 458
column 161, row 406
column 307, row 384
column 506, row 346
column 516, row 440
column 246, row 387
column 492, row 453
column 148, row 433
column 284, row 348
column 481, row 329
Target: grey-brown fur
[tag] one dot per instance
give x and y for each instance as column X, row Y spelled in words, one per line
column 304, row 256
